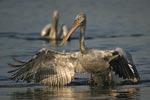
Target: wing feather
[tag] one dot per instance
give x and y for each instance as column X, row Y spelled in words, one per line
column 47, row 67
column 124, row 67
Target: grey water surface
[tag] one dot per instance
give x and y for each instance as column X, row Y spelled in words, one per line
column 110, row 24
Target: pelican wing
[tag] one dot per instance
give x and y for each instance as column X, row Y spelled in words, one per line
column 46, row 30
column 75, row 56
column 47, row 67
column 124, row 66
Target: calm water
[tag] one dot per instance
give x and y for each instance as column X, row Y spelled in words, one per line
column 110, row 24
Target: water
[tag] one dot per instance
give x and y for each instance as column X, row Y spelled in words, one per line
column 110, row 24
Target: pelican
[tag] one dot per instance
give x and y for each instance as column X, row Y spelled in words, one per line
column 58, row 68
column 101, row 63
column 51, row 29
column 63, row 31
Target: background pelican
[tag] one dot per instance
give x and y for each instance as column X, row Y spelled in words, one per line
column 58, row 68
column 51, row 30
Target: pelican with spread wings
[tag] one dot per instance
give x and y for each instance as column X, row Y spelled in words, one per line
column 58, row 68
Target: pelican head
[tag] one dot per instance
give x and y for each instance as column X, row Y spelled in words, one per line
column 55, row 14
column 79, row 21
column 53, row 32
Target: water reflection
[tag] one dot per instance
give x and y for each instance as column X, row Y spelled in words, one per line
column 76, row 92
column 52, row 42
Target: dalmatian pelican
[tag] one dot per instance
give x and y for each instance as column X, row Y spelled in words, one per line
column 58, row 68
column 101, row 63
column 51, row 30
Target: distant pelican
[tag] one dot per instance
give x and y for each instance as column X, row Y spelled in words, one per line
column 63, row 31
column 52, row 29
column 58, row 68
column 101, row 63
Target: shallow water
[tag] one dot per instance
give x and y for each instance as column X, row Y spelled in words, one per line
column 110, row 24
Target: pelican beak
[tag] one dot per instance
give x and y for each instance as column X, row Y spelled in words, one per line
column 75, row 25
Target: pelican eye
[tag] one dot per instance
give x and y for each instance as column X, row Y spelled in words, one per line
column 115, row 53
column 106, row 58
column 80, row 17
